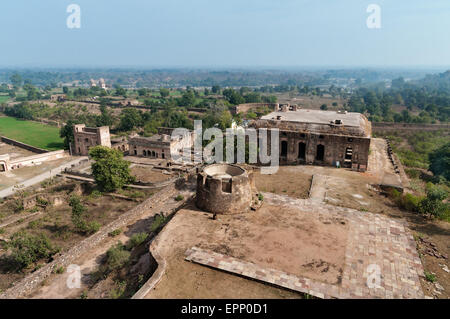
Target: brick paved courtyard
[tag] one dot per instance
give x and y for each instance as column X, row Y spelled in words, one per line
column 376, row 244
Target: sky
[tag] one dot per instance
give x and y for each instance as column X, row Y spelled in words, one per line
column 224, row 33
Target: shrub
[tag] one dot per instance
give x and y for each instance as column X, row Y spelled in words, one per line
column 411, row 202
column 27, row 249
column 136, row 240
column 59, row 270
column 260, row 197
column 35, row 224
column 118, row 292
column 18, row 205
column 433, row 204
column 157, row 222
column 117, row 257
column 179, row 198
column 115, row 233
column 93, row 227
column 42, row 201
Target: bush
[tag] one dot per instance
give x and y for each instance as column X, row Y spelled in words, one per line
column 117, row 257
column 260, row 197
column 433, row 204
column 42, row 201
column 136, row 240
column 115, row 233
column 59, row 270
column 179, row 198
column 411, row 202
column 157, row 222
column 27, row 249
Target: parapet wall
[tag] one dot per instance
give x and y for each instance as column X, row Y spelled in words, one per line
column 22, row 145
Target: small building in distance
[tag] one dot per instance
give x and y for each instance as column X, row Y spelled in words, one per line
column 316, row 137
column 160, row 145
column 87, row 137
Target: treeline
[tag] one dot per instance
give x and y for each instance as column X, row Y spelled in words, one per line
column 430, row 95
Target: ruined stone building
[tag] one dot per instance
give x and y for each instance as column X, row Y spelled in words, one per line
column 333, row 138
column 160, row 145
column 87, row 137
column 225, row 189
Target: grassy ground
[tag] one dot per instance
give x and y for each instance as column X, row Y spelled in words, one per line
column 35, row 134
column 4, row 98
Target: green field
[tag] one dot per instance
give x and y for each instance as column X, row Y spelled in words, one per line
column 32, row 133
column 4, row 98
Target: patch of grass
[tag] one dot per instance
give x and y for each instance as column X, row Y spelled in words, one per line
column 32, row 133
column 430, row 277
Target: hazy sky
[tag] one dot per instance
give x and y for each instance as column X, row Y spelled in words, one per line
column 221, row 33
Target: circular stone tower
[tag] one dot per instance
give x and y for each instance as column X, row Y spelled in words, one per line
column 224, row 189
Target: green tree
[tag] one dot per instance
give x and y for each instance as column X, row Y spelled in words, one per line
column 433, row 204
column 78, row 220
column 16, row 80
column 164, row 92
column 66, row 132
column 130, row 119
column 78, row 210
column 324, row 107
column 110, row 170
column 440, row 161
column 27, row 249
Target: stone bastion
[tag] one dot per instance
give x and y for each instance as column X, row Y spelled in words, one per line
column 225, row 189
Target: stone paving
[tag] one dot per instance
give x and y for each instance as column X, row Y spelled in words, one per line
column 381, row 259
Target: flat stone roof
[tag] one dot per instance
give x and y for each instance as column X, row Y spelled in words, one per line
column 318, row 117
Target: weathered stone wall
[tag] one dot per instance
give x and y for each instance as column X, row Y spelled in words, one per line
column 86, row 137
column 303, row 148
column 223, row 195
column 24, row 287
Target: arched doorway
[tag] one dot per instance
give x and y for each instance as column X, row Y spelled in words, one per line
column 144, row 152
column 320, row 153
column 301, row 151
